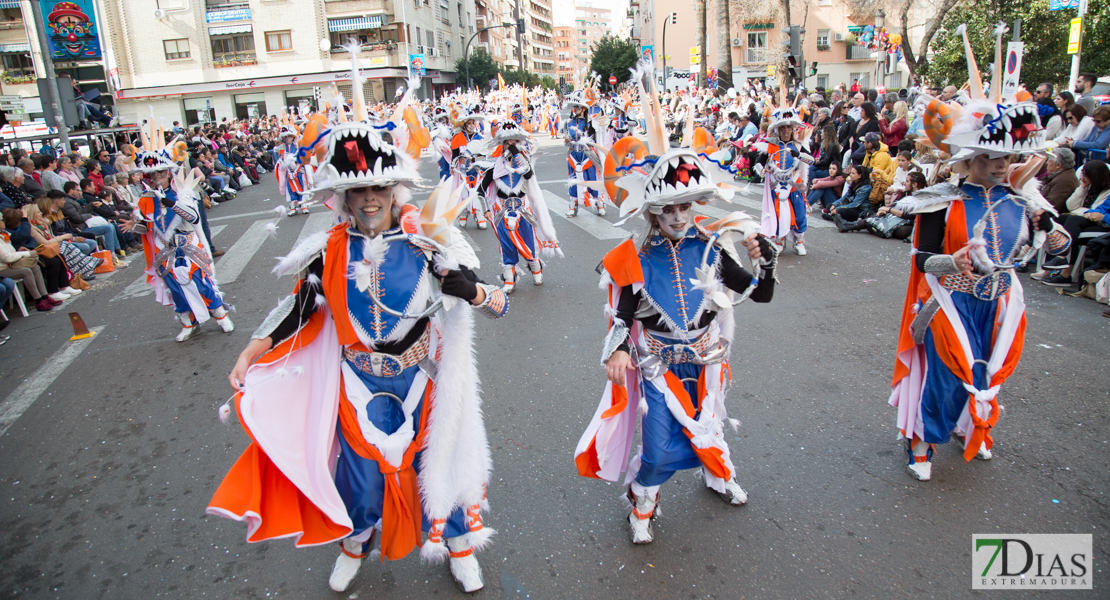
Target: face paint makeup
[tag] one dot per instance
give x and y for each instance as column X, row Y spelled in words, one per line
column 674, row 220
column 371, row 208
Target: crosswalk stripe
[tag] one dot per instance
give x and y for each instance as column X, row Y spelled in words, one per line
column 315, row 223
column 586, row 220
column 139, row 288
column 231, row 265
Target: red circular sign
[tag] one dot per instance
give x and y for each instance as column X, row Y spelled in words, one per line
column 612, row 80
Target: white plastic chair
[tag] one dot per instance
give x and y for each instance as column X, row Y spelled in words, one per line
column 17, row 297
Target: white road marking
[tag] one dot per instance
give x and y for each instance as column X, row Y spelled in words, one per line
column 586, row 220
column 257, row 213
column 231, row 265
column 139, row 288
column 25, row 395
column 315, row 223
column 756, row 209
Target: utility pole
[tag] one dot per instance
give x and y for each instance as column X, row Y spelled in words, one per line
column 519, row 38
column 51, row 80
column 1074, row 77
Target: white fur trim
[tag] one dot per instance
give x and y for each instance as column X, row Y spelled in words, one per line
column 435, row 554
column 303, row 254
column 481, row 539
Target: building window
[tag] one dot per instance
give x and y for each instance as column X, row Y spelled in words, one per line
column 278, row 40
column 431, row 39
column 233, row 50
column 757, row 46
column 864, row 78
column 822, row 39
column 176, row 49
column 823, row 81
column 894, row 80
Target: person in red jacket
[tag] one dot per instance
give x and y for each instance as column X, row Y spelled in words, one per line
column 895, row 131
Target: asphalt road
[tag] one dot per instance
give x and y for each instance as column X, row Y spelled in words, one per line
column 106, row 474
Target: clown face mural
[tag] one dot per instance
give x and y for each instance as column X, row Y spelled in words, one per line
column 72, row 30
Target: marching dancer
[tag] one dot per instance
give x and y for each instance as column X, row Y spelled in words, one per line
column 512, row 199
column 466, row 146
column 963, row 321
column 784, row 182
column 291, row 171
column 178, row 258
column 670, row 331
column 362, row 401
column 620, row 125
column 582, row 161
column 441, row 140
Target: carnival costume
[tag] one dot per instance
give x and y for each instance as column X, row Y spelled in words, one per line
column 620, row 125
column 291, row 172
column 784, row 184
column 365, row 416
column 669, row 309
column 441, row 140
column 962, row 333
column 466, row 146
column 178, row 259
column 583, row 163
column 511, row 194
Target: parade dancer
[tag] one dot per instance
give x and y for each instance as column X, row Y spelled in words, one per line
column 784, row 182
column 466, row 146
column 620, row 125
column 362, row 401
column 582, row 160
column 178, row 258
column 290, row 172
column 441, row 140
column 963, row 321
column 513, row 201
column 553, row 117
column 670, row 331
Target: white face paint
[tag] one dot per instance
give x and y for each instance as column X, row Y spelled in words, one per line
column 469, row 126
column 371, row 208
column 674, row 220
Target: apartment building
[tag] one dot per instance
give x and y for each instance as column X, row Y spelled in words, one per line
column 591, row 24
column 566, row 52
column 490, row 13
column 196, row 61
column 539, row 36
column 755, row 41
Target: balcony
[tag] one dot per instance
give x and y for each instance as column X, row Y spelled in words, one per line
column 386, row 46
column 857, row 52
column 13, row 24
column 239, row 59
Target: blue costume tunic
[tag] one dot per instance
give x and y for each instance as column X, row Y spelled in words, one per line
column 163, row 218
column 577, row 129
column 784, row 160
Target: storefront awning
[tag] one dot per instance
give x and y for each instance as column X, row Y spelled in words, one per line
column 15, row 47
column 230, row 29
column 371, row 22
column 9, row 3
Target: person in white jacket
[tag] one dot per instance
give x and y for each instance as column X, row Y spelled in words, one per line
column 1077, row 125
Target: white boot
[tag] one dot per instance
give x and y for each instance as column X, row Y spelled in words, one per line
column 537, row 271
column 600, row 207
column 223, row 319
column 921, row 465
column 347, row 565
column 508, row 275
column 189, row 327
column 465, row 569
column 644, row 501
column 984, row 454
column 734, row 494
column 800, row 246
column 573, row 211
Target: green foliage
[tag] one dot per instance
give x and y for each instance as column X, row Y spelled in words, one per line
column 527, row 78
column 1044, row 32
column 613, row 56
column 548, row 82
column 482, row 69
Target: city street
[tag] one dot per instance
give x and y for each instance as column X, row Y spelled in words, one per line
column 111, row 448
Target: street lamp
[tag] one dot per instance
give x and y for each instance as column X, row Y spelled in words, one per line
column 673, row 20
column 466, row 51
column 880, row 20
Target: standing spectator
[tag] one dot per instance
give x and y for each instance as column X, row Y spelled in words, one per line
column 11, row 180
column 855, row 86
column 1083, row 85
column 895, row 131
column 1061, row 181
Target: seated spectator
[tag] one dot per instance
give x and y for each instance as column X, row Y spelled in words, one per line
column 80, row 215
column 125, row 200
column 95, row 175
column 51, row 208
column 125, row 160
column 48, row 175
column 892, row 222
column 895, row 131
column 898, row 187
column 11, row 182
column 827, row 190
column 855, row 205
column 75, row 260
column 32, row 188
column 1090, row 211
column 828, row 152
column 135, row 184
column 1078, row 125
column 7, row 288
column 68, row 171
column 1098, row 138
column 53, row 270
column 24, row 266
column 877, row 158
column 1061, row 182
column 107, row 166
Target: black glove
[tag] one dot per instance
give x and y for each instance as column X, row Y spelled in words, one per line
column 167, row 202
column 1044, row 223
column 513, row 149
column 766, row 250
column 454, row 283
column 794, row 152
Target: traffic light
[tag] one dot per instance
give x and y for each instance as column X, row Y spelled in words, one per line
column 792, row 52
column 520, row 26
column 674, row 18
column 813, row 69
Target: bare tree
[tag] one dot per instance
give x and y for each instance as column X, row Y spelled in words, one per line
column 917, row 63
column 724, row 45
column 700, row 38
